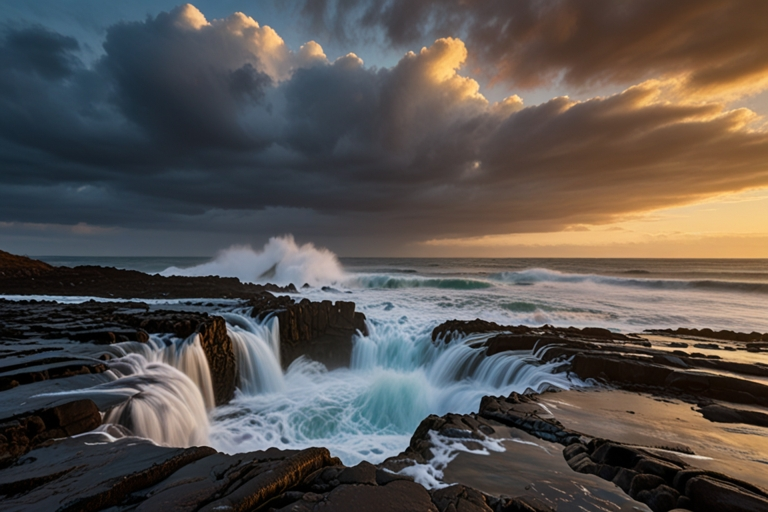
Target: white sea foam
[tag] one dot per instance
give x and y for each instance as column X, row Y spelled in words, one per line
column 163, row 405
column 166, row 384
column 368, row 411
column 281, row 261
column 445, row 450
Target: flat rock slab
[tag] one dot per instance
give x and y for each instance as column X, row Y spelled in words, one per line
column 86, row 473
column 91, row 473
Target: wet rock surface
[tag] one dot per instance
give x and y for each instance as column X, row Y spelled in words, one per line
column 26, row 431
column 42, row 340
column 657, row 477
column 367, row 488
column 322, row 331
column 24, row 276
column 713, row 335
column 652, row 476
column 90, row 473
column 630, row 362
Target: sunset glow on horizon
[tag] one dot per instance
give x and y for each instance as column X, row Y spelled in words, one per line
column 387, row 127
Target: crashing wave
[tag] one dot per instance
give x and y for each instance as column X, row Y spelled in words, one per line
column 281, row 261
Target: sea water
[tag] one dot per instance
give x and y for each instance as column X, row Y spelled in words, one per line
column 397, row 375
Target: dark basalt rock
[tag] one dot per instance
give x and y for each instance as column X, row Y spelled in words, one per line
column 365, row 488
column 21, row 433
column 658, row 479
column 723, row 414
column 622, row 364
column 12, row 266
column 708, row 494
column 46, row 370
column 24, row 276
column 221, row 358
column 320, row 330
column 446, row 330
column 715, row 335
column 134, row 474
column 461, row 327
column 524, row 412
column 97, row 323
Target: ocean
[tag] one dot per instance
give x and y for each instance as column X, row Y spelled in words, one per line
column 626, row 295
column 398, row 376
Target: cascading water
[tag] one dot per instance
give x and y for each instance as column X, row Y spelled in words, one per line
column 163, row 405
column 368, row 411
column 186, row 355
column 397, row 377
column 257, row 351
column 167, row 381
column 167, row 387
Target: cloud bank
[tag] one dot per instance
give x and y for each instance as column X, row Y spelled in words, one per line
column 218, row 126
column 713, row 44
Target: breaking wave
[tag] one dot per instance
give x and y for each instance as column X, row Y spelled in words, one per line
column 393, row 282
column 543, row 275
column 281, row 261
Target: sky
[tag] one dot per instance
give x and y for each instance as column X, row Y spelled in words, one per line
column 534, row 128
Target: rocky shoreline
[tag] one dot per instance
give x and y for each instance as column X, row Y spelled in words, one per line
column 56, row 453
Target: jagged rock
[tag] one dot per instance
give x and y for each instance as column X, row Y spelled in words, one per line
column 66, row 477
column 398, row 496
column 477, row 326
column 85, row 323
column 22, row 433
column 523, row 412
column 460, row 497
column 221, row 358
column 322, row 331
column 47, row 370
column 643, row 482
column 504, row 342
column 661, row 499
column 635, row 374
column 363, row 474
column 442, row 331
column 264, row 484
column 717, row 335
column 86, row 474
column 92, row 281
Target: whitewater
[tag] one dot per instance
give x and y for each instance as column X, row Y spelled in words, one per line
column 398, row 375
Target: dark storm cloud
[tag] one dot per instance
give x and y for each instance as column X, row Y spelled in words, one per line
column 186, row 124
column 529, row 43
column 39, row 50
column 182, row 85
